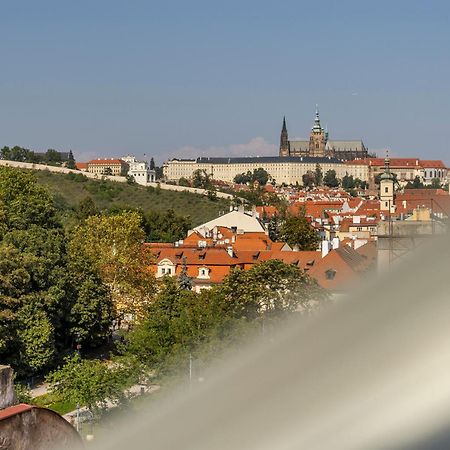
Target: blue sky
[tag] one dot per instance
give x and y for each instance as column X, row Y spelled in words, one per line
column 185, row 78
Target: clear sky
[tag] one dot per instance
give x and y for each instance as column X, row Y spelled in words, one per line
column 188, row 78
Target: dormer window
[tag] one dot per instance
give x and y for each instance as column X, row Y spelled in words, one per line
column 330, row 274
column 165, row 267
column 203, row 272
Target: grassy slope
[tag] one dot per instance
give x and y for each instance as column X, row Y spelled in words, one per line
column 70, row 192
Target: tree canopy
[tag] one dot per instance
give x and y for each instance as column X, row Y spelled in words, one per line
column 114, row 246
column 181, row 322
column 330, row 179
column 298, row 232
column 259, row 175
column 42, row 311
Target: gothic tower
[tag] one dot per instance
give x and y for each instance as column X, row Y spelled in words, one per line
column 284, row 140
column 317, row 139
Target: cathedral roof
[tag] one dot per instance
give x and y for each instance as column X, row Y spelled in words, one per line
column 347, row 145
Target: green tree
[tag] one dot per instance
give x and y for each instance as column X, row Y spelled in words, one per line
column 107, row 171
column 37, row 288
column 92, row 311
column 165, row 226
column 273, row 226
column 130, row 179
column 330, row 179
column 416, row 184
column 86, row 208
column 243, row 178
column 308, row 179
column 200, row 179
column 261, row 176
column 71, row 161
column 212, row 195
column 348, row 182
column 184, row 280
column 271, row 289
column 184, row 182
column 435, row 183
column 114, row 244
column 17, row 153
column 181, row 322
column 318, row 175
column 52, row 156
column 298, row 232
column 36, row 335
column 90, row 383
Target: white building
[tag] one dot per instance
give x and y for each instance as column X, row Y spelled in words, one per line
column 140, row 170
column 238, row 221
column 289, row 169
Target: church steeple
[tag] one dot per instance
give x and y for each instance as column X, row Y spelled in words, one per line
column 284, row 140
column 387, row 191
column 317, row 127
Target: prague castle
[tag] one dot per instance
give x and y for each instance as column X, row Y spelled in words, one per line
column 320, row 146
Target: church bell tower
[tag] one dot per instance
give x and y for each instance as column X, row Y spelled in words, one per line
column 317, row 139
column 387, row 191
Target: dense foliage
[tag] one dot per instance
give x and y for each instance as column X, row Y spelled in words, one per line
column 298, row 232
column 69, row 190
column 180, row 323
column 90, row 383
column 50, row 297
column 260, row 175
column 50, row 157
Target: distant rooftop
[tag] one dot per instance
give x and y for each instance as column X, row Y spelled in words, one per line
column 261, row 159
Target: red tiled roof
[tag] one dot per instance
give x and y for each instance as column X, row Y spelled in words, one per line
column 432, row 164
column 345, row 262
column 81, row 165
column 406, row 203
column 106, row 161
column 400, row 162
column 13, row 410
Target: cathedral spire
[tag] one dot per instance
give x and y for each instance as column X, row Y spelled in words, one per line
column 284, row 140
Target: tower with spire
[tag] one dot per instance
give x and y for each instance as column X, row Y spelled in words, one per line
column 284, row 140
column 387, row 191
column 317, row 138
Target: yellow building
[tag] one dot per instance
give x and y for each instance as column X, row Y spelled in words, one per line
column 108, row 167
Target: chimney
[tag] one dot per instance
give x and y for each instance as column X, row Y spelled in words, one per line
column 335, row 242
column 325, row 248
column 7, row 392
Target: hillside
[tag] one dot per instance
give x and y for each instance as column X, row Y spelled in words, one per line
column 69, row 189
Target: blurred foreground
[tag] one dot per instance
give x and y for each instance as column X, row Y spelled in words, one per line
column 368, row 372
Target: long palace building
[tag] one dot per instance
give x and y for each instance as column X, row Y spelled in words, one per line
column 289, row 170
column 319, row 145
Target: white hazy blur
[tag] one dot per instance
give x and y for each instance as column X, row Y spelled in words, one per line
column 372, row 371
